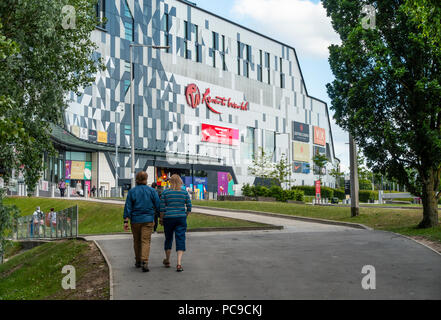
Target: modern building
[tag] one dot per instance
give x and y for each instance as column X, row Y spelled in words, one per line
column 203, row 108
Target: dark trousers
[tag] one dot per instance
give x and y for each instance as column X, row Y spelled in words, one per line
column 156, row 223
column 62, row 192
column 178, row 227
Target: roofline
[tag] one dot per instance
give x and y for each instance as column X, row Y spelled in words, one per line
column 250, row 30
column 277, row 41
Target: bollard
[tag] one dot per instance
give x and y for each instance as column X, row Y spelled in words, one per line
column 86, row 191
column 68, row 191
column 52, row 191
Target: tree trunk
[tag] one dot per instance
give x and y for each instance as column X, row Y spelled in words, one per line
column 430, row 203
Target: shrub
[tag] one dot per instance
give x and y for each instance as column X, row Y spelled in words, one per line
column 299, row 195
column 327, row 192
column 260, row 191
column 307, row 190
column 366, row 195
column 247, row 190
column 275, row 192
column 340, row 194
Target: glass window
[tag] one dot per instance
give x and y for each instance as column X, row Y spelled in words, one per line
column 129, row 23
column 100, row 9
column 224, row 65
column 165, row 23
column 270, row 143
column 282, row 75
column 248, row 144
column 268, row 66
column 78, row 156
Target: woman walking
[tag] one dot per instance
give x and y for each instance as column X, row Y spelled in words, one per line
column 175, row 207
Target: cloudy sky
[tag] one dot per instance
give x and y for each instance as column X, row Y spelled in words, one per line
column 302, row 24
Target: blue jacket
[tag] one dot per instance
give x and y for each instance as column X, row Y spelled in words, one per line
column 175, row 204
column 141, row 204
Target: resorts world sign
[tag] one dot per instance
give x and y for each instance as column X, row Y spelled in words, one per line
column 193, row 96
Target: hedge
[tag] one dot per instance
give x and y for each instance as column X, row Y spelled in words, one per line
column 366, row 195
column 326, row 192
column 275, row 192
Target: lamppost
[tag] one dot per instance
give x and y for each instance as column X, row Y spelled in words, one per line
column 132, row 107
column 355, row 205
column 119, row 109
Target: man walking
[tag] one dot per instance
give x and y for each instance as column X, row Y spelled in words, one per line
column 141, row 205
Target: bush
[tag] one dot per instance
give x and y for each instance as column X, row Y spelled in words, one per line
column 307, row 190
column 299, row 195
column 340, row 194
column 247, row 190
column 366, row 195
column 260, row 191
column 275, row 192
column 326, row 192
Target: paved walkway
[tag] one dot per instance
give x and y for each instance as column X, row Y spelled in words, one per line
column 304, row 261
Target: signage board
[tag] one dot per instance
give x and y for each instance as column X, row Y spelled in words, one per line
column 319, row 136
column 220, row 135
column 92, row 135
column 194, row 98
column 317, row 189
column 300, row 132
column 102, row 137
column 301, row 152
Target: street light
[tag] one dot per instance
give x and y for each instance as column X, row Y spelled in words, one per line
column 132, row 107
column 119, row 109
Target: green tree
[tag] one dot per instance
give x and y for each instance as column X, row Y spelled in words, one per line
column 335, row 173
column 42, row 61
column 427, row 15
column 387, row 94
column 262, row 165
column 281, row 170
column 320, row 162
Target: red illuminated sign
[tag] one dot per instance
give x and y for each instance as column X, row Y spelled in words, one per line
column 193, row 97
column 222, row 135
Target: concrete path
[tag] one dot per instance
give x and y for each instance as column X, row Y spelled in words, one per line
column 303, row 261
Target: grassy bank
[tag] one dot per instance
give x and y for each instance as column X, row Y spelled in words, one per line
column 403, row 221
column 98, row 218
column 36, row 274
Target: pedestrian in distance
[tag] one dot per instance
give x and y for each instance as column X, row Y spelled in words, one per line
column 37, row 218
column 62, row 187
column 157, row 213
column 141, row 205
column 93, row 191
column 52, row 216
column 175, row 208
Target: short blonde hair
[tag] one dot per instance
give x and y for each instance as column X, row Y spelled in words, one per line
column 176, row 182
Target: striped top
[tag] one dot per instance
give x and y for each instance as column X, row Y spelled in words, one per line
column 175, row 204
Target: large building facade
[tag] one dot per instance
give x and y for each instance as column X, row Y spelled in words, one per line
column 203, row 108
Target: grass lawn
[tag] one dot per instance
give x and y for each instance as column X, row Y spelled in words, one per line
column 98, row 218
column 12, row 248
column 36, row 274
column 403, row 221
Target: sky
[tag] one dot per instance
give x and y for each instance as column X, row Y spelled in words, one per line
column 301, row 24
